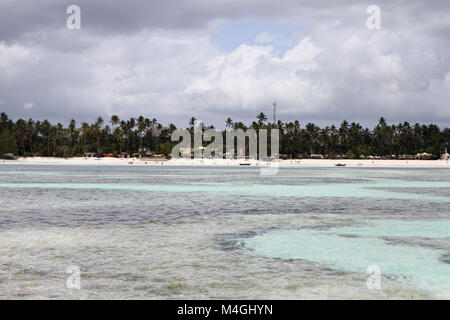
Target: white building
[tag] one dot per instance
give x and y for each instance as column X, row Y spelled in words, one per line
column 445, row 156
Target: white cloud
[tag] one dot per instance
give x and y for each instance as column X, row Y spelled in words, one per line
column 335, row 70
column 28, row 105
column 253, row 76
column 362, row 76
column 14, row 57
column 265, row 37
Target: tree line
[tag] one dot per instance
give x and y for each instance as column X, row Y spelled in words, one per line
column 135, row 135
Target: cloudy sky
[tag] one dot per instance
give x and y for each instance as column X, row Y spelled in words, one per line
column 217, row 58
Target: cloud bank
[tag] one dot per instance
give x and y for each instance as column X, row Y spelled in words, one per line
column 160, row 59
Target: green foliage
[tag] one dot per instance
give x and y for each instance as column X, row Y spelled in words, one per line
column 350, row 155
column 8, row 143
column 349, row 140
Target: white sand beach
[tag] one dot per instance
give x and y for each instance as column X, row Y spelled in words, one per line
column 225, row 162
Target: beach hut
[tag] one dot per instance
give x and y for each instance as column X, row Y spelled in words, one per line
column 424, row 156
column 8, row 156
column 90, row 155
column 408, row 157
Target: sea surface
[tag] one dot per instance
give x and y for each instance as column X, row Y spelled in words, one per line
column 162, row 232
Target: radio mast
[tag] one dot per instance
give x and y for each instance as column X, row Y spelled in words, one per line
column 274, row 112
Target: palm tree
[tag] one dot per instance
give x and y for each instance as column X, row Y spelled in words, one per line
column 118, row 136
column 172, row 128
column 141, row 126
column 114, row 120
column 383, row 135
column 8, row 143
column 313, row 132
column 97, row 127
column 3, row 117
column 84, row 134
column 239, row 125
column 262, row 118
column 229, row 123
column 30, row 133
column 72, row 131
column 279, row 125
column 21, row 132
column 128, row 129
column 46, row 129
column 192, row 122
column 343, row 136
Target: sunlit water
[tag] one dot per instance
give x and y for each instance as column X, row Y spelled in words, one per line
column 223, row 232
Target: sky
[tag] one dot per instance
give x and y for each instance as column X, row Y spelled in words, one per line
column 214, row 59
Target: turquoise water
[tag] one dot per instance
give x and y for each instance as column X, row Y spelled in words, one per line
column 223, row 232
column 394, row 228
column 409, row 264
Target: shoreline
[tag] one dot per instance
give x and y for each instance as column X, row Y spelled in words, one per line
column 224, row 162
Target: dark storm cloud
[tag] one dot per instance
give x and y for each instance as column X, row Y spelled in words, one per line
column 19, row 17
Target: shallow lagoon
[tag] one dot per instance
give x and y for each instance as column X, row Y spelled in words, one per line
column 222, row 232
column 356, row 248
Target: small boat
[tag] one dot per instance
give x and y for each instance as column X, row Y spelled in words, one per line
column 244, row 164
column 340, row 164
